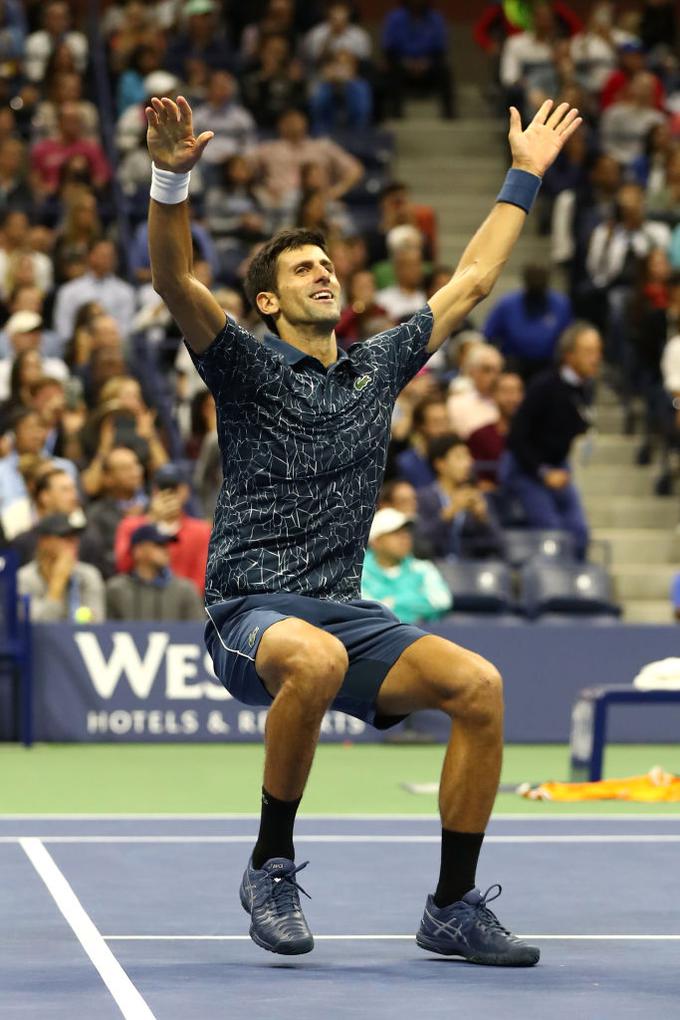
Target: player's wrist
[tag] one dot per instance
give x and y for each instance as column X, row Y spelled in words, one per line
column 168, row 187
column 520, row 188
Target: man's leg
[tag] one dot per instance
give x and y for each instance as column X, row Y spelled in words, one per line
column 574, row 518
column 303, row 668
column 435, row 673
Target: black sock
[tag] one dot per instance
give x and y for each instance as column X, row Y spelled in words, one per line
column 460, row 851
column 275, row 838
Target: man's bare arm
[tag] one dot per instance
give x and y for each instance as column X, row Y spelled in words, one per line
column 173, row 147
column 533, row 150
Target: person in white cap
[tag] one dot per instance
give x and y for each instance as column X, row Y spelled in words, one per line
column 413, row 589
column 24, row 330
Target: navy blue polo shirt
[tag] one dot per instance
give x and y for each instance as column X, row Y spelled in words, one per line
column 303, row 455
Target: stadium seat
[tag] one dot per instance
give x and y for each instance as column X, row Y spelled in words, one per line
column 15, row 636
column 478, row 586
column 523, row 544
column 576, row 589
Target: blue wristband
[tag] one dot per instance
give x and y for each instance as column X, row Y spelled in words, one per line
column 519, row 188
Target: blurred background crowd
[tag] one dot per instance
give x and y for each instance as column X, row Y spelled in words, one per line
column 109, row 466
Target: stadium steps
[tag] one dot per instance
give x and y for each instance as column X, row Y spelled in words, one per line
column 457, row 168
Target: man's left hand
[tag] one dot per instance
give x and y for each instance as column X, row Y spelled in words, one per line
column 537, row 147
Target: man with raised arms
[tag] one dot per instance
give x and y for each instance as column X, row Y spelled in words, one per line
column 303, row 429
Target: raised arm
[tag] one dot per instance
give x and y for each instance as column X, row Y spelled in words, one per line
column 174, row 148
column 533, row 151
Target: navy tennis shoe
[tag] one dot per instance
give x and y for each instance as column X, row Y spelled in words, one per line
column 271, row 896
column 469, row 929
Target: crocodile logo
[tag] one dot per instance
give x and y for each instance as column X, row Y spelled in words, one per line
column 251, row 637
column 362, row 382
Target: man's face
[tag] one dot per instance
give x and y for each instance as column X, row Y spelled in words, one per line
column 102, row 258
column 26, row 341
column 404, row 499
column 308, row 289
column 338, row 17
column 606, row 174
column 124, row 472
column 221, row 88
column 456, row 465
column 105, row 333
column 396, row 546
column 293, row 126
column 28, row 299
column 151, row 554
column 485, row 374
column 586, row 357
column 408, row 268
column 60, row 496
column 509, row 393
column 435, row 421
column 49, row 402
column 56, row 19
column 11, row 156
column 30, row 435
column 16, row 229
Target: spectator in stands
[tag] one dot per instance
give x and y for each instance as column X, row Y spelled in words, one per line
column 122, row 495
column 80, row 229
column 535, row 468
column 280, row 17
column 15, row 245
column 64, row 87
column 413, row 589
column 470, row 404
column 131, row 125
column 407, row 294
column 15, row 192
column 49, row 156
column 59, row 585
column 626, row 123
column 526, row 324
column 631, row 64
column 664, row 201
column 233, row 126
column 48, row 397
column 54, row 492
column 341, row 99
column 28, row 298
column 595, row 49
column 526, row 50
column 189, row 554
column 276, row 83
column 415, row 43
column 24, row 330
column 131, row 89
column 150, row 591
column 614, row 253
column 363, row 316
column 487, row 443
column 397, row 209
column 27, row 367
column 453, row 514
column 137, row 26
column 337, row 33
column 278, row 164
column 649, row 169
column 202, row 37
column 56, row 31
column 101, row 284
column 401, row 496
column 428, row 421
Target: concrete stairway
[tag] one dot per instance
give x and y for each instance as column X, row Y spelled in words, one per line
column 457, row 167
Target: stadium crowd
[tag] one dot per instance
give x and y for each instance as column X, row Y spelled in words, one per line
column 109, row 465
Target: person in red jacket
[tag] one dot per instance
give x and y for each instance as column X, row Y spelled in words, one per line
column 632, row 60
column 189, row 553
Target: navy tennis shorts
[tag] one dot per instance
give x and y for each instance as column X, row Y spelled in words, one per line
column 372, row 635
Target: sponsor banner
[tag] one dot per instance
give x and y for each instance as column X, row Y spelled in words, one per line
column 143, row 682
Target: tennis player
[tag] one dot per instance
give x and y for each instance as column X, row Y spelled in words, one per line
column 303, row 430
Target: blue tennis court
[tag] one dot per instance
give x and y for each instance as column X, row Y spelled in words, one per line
column 139, row 917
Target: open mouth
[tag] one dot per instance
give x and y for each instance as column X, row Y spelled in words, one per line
column 323, row 295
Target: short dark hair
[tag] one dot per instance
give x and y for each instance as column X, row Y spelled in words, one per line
column 439, row 447
column 44, row 481
column 262, row 273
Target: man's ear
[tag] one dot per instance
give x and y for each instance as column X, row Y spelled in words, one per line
column 268, row 303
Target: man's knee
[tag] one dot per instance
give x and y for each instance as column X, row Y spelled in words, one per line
column 303, row 657
column 476, row 694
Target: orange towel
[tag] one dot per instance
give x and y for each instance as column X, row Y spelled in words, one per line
column 656, row 786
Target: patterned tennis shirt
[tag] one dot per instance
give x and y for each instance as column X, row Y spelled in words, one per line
column 303, row 456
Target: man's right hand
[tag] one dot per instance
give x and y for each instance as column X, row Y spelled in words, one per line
column 556, row 478
column 170, row 135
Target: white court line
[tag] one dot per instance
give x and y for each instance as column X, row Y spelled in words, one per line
column 384, row 938
column 520, row 816
column 127, row 998
column 361, row 838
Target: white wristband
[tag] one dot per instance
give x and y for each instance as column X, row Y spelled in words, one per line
column 167, row 187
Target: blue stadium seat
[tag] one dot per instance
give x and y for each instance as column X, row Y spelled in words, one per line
column 523, row 544
column 576, row 589
column 15, row 636
column 478, row 586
